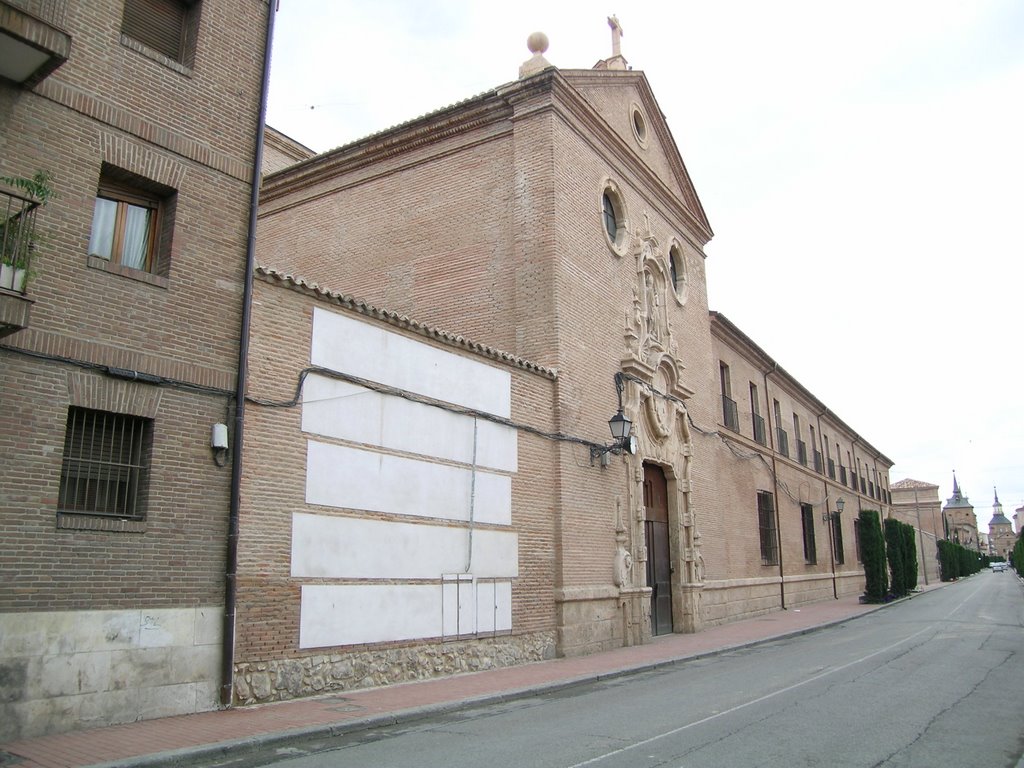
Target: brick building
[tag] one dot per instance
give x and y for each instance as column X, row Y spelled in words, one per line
column 544, row 242
column 121, row 351
column 917, row 503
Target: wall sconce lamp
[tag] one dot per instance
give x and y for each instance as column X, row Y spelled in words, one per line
column 620, row 427
column 826, row 516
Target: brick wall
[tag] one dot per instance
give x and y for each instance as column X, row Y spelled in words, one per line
column 190, row 129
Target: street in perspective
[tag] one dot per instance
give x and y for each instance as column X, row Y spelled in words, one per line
column 930, row 681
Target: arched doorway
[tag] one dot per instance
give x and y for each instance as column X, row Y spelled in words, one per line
column 656, row 535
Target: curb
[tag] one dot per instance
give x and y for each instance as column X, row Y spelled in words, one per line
column 253, row 745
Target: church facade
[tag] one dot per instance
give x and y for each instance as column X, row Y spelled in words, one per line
column 447, row 314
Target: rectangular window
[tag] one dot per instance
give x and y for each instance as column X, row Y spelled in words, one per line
column 105, row 470
column 766, row 526
column 730, row 413
column 807, row 519
column 166, row 26
column 755, row 416
column 801, row 446
column 131, row 223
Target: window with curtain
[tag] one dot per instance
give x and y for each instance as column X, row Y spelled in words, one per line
column 127, row 222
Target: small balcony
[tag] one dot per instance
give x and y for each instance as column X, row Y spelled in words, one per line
column 801, row 452
column 759, row 433
column 782, row 441
column 17, row 235
column 818, row 467
column 32, row 43
column 730, row 414
column 842, row 474
column 832, row 470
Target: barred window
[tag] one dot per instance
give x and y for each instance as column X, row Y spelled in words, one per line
column 106, row 464
column 807, row 519
column 837, row 538
column 766, row 524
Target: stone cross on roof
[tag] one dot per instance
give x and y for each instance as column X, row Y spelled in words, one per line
column 617, row 33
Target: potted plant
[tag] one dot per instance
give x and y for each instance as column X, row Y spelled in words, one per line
column 18, row 238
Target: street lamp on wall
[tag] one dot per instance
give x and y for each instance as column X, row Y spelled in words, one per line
column 620, row 427
column 830, row 518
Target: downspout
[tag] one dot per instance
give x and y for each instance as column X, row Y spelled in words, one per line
column 231, row 569
column 775, row 487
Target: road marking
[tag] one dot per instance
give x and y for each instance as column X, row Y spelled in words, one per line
column 771, row 695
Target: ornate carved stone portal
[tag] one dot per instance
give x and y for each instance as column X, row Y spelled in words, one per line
column 654, row 399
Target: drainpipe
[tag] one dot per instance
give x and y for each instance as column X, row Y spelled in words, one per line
column 231, row 568
column 775, row 487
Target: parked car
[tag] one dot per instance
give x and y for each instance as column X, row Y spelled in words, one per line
column 997, row 567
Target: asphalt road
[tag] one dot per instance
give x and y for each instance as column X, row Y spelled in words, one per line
column 934, row 681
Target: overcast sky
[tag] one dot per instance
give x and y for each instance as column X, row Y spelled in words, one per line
column 862, row 166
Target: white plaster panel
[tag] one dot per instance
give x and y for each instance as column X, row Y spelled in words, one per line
column 349, row 412
column 351, row 478
column 360, row 548
column 345, row 344
column 346, row 614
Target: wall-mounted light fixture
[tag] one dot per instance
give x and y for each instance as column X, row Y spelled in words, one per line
column 219, row 443
column 620, row 427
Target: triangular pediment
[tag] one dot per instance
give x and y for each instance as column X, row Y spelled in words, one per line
column 625, row 101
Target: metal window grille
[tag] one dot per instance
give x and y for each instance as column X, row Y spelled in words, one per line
column 783, row 439
column 837, row 538
column 766, row 524
column 759, row 433
column 810, row 547
column 801, row 452
column 730, row 414
column 106, row 464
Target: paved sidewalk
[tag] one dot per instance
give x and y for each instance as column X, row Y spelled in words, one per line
column 180, row 740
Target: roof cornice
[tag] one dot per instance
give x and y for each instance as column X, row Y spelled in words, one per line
column 725, row 329
column 300, row 285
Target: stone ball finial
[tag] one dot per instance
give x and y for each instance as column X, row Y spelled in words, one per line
column 537, row 43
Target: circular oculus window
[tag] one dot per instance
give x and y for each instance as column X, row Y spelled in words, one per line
column 613, row 214
column 639, row 124
column 677, row 270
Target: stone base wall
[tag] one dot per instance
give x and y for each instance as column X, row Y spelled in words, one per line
column 591, row 619
column 735, row 599
column 65, row 670
column 280, row 679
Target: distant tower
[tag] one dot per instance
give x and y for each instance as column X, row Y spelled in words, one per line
column 1000, row 531
column 959, row 519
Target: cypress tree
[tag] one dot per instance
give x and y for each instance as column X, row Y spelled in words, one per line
column 909, row 557
column 872, row 548
column 894, row 551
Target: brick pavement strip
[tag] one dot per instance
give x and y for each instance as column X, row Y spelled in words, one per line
column 179, row 740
